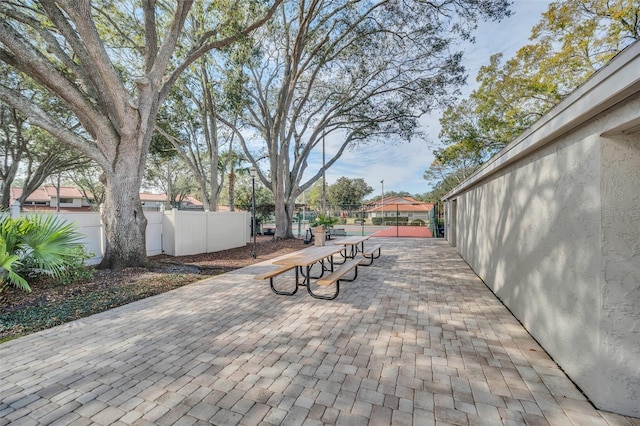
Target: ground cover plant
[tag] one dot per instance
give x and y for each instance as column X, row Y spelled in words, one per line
column 53, row 302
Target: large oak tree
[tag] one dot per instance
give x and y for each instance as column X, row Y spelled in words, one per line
column 353, row 71
column 112, row 65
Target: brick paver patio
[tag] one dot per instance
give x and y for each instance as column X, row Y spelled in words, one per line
column 417, row 339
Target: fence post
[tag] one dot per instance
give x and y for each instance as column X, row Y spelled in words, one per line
column 15, row 209
column 103, row 234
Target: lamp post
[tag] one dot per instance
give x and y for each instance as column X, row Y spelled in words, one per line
column 382, row 182
column 324, row 181
column 253, row 172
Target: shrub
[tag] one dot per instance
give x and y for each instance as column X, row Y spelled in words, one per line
column 396, row 220
column 418, row 222
column 76, row 269
column 40, row 245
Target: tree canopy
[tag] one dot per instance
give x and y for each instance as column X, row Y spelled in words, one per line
column 112, row 65
column 346, row 193
column 573, row 39
column 357, row 72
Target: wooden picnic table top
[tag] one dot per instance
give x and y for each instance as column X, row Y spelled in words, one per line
column 352, row 240
column 308, row 256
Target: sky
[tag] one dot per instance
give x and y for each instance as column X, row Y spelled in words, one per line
column 402, row 166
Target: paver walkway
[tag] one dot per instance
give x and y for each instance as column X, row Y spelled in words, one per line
column 417, row 339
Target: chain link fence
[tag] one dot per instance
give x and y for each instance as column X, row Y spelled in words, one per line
column 372, row 216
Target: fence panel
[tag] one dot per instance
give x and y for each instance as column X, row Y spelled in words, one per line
column 195, row 232
column 174, row 232
column 90, row 226
column 154, row 233
column 190, row 233
column 227, row 230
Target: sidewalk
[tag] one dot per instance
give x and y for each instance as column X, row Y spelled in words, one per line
column 416, row 339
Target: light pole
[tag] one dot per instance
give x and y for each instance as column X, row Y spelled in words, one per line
column 324, row 181
column 382, row 182
column 253, row 172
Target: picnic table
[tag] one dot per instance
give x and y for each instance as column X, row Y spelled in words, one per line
column 303, row 261
column 352, row 245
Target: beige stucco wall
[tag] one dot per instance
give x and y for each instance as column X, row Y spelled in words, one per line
column 556, row 235
column 620, row 295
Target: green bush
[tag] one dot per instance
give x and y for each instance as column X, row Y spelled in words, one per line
column 40, row 245
column 325, row 220
column 398, row 220
column 76, row 270
column 418, row 222
column 376, row 220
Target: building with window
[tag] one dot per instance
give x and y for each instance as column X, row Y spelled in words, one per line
column 155, row 201
column 49, row 198
column 392, row 207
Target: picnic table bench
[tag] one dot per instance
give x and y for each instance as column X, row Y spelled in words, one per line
column 354, row 245
column 302, row 261
column 338, row 275
column 272, row 273
column 372, row 253
column 337, row 232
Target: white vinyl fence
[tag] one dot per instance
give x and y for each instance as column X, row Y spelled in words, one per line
column 173, row 232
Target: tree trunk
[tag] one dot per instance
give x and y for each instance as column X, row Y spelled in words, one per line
column 284, row 216
column 232, row 190
column 5, row 197
column 123, row 217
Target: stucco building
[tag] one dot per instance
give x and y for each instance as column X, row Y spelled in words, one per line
column 552, row 226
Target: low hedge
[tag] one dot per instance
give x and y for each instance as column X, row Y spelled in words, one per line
column 399, row 220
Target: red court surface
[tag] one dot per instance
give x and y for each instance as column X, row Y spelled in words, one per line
column 404, row 231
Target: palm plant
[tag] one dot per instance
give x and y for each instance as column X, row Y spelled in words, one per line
column 326, row 220
column 38, row 245
column 7, row 274
column 48, row 244
column 235, row 162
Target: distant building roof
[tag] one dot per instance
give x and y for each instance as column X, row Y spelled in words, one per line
column 153, row 197
column 65, row 191
column 193, row 201
column 45, row 193
column 162, row 198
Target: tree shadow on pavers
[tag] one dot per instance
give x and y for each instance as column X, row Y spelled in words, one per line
column 219, row 339
column 223, row 334
column 522, row 268
column 199, row 329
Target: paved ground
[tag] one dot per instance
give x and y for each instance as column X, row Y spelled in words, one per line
column 417, row 339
